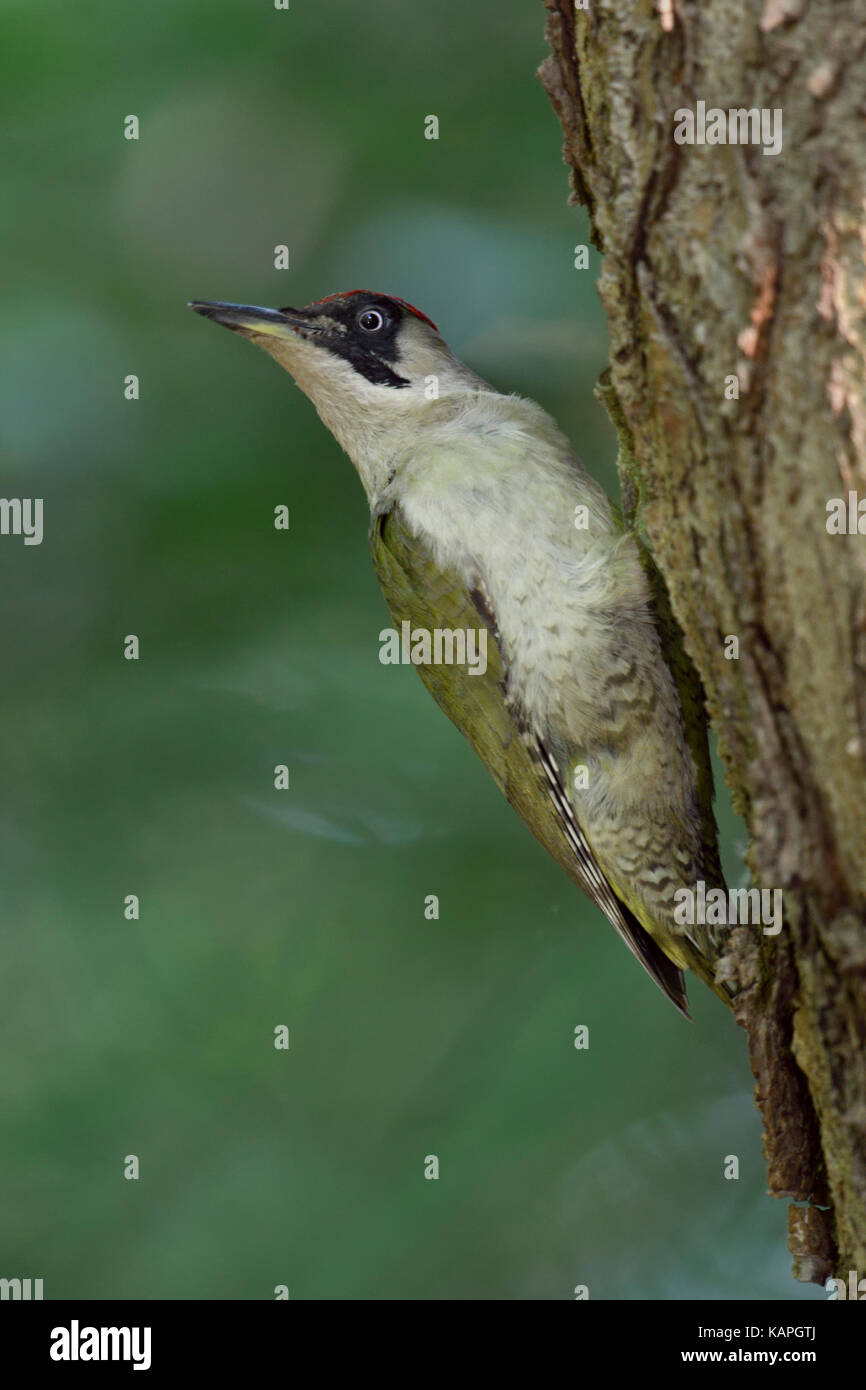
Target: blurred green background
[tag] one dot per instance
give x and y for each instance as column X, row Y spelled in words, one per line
column 306, row 908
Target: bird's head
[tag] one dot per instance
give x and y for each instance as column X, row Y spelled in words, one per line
column 369, row 362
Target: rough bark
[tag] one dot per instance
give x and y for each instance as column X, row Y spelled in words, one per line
column 722, row 261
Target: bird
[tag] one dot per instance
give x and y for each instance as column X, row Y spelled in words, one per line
column 588, row 714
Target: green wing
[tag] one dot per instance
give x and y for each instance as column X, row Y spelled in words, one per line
column 420, row 592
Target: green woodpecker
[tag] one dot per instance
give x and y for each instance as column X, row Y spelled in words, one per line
column 588, row 714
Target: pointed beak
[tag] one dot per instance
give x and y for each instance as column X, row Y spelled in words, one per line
column 248, row 318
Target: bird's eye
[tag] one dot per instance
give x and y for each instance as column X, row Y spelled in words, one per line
column 370, row 320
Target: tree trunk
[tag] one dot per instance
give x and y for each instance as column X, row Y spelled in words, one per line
column 729, row 270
